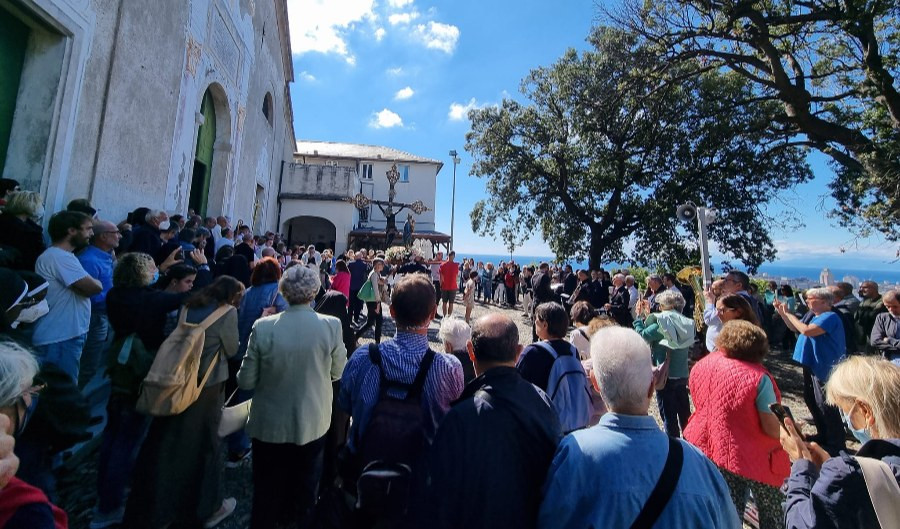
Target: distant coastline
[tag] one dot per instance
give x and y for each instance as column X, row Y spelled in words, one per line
column 776, row 271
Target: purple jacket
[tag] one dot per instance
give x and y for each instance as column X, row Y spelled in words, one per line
column 835, row 496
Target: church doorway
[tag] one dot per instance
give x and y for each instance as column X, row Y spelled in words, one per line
column 13, row 44
column 203, row 160
column 308, row 230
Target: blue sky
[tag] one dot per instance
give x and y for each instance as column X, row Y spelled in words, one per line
column 402, row 73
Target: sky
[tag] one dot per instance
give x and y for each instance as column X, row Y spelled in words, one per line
column 403, row 74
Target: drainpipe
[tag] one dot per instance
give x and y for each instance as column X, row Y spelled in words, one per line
column 280, row 180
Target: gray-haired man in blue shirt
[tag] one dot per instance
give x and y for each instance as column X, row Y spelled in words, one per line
column 603, row 476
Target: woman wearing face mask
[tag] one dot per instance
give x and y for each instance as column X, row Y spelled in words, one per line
column 20, row 228
column 832, row 492
column 22, row 505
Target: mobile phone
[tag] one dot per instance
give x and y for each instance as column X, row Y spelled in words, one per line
column 781, row 412
column 180, row 255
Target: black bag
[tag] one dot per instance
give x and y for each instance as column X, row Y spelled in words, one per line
column 392, row 445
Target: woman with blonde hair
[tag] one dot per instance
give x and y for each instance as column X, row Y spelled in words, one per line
column 732, row 423
column 825, row 491
column 20, row 228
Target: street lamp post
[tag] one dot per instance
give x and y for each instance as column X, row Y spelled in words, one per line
column 453, row 196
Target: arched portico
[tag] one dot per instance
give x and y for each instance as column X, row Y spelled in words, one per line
column 308, row 230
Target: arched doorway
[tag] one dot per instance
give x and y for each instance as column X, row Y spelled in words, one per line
column 308, row 230
column 206, row 141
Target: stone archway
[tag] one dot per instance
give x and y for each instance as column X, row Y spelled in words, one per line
column 308, row 230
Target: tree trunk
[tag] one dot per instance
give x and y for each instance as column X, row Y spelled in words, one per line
column 598, row 246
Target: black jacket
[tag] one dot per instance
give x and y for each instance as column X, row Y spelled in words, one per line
column 26, row 236
column 619, row 307
column 490, row 456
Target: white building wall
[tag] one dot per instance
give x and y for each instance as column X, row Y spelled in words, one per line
column 124, row 83
column 339, row 213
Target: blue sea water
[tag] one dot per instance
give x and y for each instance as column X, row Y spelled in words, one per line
column 772, row 269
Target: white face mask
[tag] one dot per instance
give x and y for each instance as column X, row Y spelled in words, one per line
column 38, row 213
column 164, row 225
column 32, row 313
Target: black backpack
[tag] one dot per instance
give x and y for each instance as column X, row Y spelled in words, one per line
column 392, row 445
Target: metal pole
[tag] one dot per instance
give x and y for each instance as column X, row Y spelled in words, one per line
column 704, row 247
column 453, row 198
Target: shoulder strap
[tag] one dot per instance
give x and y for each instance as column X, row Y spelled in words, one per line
column 664, row 488
column 545, row 345
column 883, row 491
column 583, row 334
column 212, row 318
column 415, row 390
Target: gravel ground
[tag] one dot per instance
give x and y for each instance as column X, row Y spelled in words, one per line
column 77, row 479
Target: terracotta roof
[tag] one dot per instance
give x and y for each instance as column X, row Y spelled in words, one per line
column 356, row 151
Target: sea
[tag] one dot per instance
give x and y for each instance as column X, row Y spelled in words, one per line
column 776, row 270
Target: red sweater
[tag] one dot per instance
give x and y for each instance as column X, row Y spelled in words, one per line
column 18, row 494
column 726, row 424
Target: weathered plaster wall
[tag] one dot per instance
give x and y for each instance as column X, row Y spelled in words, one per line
column 339, row 213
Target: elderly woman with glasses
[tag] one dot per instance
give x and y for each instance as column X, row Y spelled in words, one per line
column 292, row 359
column 21, row 505
column 819, row 347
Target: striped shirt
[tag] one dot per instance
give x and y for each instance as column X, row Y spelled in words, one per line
column 400, row 358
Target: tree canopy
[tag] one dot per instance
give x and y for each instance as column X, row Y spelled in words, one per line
column 601, row 155
column 830, row 64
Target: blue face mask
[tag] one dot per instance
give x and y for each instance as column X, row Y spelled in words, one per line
column 862, row 435
column 155, row 278
column 26, row 416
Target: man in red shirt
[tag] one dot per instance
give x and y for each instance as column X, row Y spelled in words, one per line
column 449, row 276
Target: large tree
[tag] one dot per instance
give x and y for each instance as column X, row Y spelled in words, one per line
column 601, row 156
column 830, row 64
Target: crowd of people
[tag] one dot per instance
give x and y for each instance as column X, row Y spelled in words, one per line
column 485, row 431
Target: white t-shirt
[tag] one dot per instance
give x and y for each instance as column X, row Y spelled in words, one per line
column 70, row 312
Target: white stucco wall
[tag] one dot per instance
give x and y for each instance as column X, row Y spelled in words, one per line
column 119, row 122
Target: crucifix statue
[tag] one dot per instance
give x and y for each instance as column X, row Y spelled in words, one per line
column 389, row 208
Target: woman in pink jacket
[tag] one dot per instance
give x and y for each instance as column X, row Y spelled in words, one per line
column 341, row 279
column 732, row 423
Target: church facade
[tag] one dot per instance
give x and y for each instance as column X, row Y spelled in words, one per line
column 173, row 105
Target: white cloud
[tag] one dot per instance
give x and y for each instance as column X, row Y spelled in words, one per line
column 403, row 18
column 395, row 71
column 459, row 111
column 321, row 25
column 438, row 36
column 404, row 93
column 399, row 3
column 308, row 77
column 379, row 34
column 385, row 120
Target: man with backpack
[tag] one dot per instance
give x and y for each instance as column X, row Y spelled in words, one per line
column 553, row 365
column 477, row 484
column 396, row 393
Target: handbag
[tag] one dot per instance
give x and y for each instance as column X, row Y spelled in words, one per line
column 883, row 491
column 367, row 292
column 234, row 417
column 661, row 373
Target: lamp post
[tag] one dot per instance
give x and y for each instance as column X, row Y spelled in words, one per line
column 453, row 196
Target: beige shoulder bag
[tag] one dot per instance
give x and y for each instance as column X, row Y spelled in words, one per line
column 883, row 490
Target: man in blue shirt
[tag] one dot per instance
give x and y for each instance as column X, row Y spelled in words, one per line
column 819, row 347
column 603, row 476
column 98, row 261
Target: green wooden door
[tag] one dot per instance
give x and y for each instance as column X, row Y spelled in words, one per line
column 206, row 140
column 13, row 42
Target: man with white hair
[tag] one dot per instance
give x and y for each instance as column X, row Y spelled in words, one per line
column 147, row 237
column 625, row 471
column 885, row 336
column 618, row 306
column 454, row 334
column 633, row 295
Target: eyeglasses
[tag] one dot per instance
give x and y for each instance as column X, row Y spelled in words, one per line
column 28, row 302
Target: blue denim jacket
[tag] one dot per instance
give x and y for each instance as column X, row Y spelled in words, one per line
column 255, row 300
column 602, row 476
